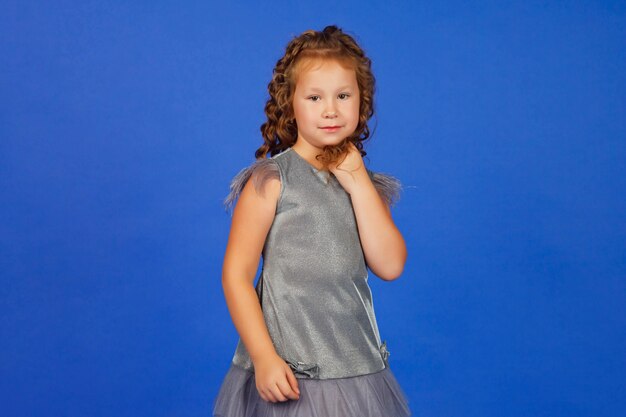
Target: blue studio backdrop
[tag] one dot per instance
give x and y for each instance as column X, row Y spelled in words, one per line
column 122, row 123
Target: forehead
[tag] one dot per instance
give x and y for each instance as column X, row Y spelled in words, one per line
column 318, row 72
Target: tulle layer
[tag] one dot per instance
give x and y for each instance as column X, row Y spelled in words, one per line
column 373, row 395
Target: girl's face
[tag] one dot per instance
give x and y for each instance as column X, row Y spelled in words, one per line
column 325, row 95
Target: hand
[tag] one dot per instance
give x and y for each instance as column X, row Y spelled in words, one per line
column 350, row 170
column 275, row 380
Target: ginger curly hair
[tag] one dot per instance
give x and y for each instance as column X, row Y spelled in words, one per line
column 280, row 130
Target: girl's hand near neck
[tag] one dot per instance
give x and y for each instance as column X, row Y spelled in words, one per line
column 350, row 170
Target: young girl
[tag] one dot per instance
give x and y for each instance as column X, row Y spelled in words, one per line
column 309, row 342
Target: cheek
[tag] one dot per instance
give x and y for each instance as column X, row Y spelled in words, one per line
column 300, row 110
column 297, row 113
column 355, row 110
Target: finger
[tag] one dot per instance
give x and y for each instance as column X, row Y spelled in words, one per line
column 269, row 396
column 293, row 382
column 277, row 394
column 287, row 390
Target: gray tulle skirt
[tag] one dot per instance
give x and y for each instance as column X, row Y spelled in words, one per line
column 373, row 395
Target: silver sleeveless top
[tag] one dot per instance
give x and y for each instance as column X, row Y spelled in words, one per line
column 313, row 288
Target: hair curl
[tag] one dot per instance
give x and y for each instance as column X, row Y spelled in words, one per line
column 331, row 44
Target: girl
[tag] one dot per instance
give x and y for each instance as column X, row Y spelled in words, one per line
column 310, row 345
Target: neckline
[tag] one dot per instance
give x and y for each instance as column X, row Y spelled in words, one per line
column 323, row 175
column 304, row 160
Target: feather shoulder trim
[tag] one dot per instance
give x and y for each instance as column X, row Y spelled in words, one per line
column 388, row 186
column 263, row 170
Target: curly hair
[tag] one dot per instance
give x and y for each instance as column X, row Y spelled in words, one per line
column 280, row 131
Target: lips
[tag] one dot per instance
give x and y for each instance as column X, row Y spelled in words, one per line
column 330, row 127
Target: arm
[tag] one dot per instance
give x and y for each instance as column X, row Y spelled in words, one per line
column 258, row 188
column 383, row 244
column 252, row 218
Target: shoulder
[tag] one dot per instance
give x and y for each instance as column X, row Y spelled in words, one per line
column 388, row 186
column 260, row 172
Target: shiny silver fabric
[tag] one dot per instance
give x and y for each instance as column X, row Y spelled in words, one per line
column 313, row 287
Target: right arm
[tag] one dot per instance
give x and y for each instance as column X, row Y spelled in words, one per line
column 252, row 218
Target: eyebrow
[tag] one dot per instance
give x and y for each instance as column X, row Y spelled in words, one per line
column 320, row 90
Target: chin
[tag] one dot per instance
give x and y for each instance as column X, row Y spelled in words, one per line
column 333, row 142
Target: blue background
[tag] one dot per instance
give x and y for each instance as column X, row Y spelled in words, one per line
column 122, row 123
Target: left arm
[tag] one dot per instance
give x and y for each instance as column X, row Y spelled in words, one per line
column 383, row 245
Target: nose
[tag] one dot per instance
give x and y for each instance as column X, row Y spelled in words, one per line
column 330, row 112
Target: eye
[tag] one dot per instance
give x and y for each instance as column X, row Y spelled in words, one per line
column 312, row 97
column 344, row 94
